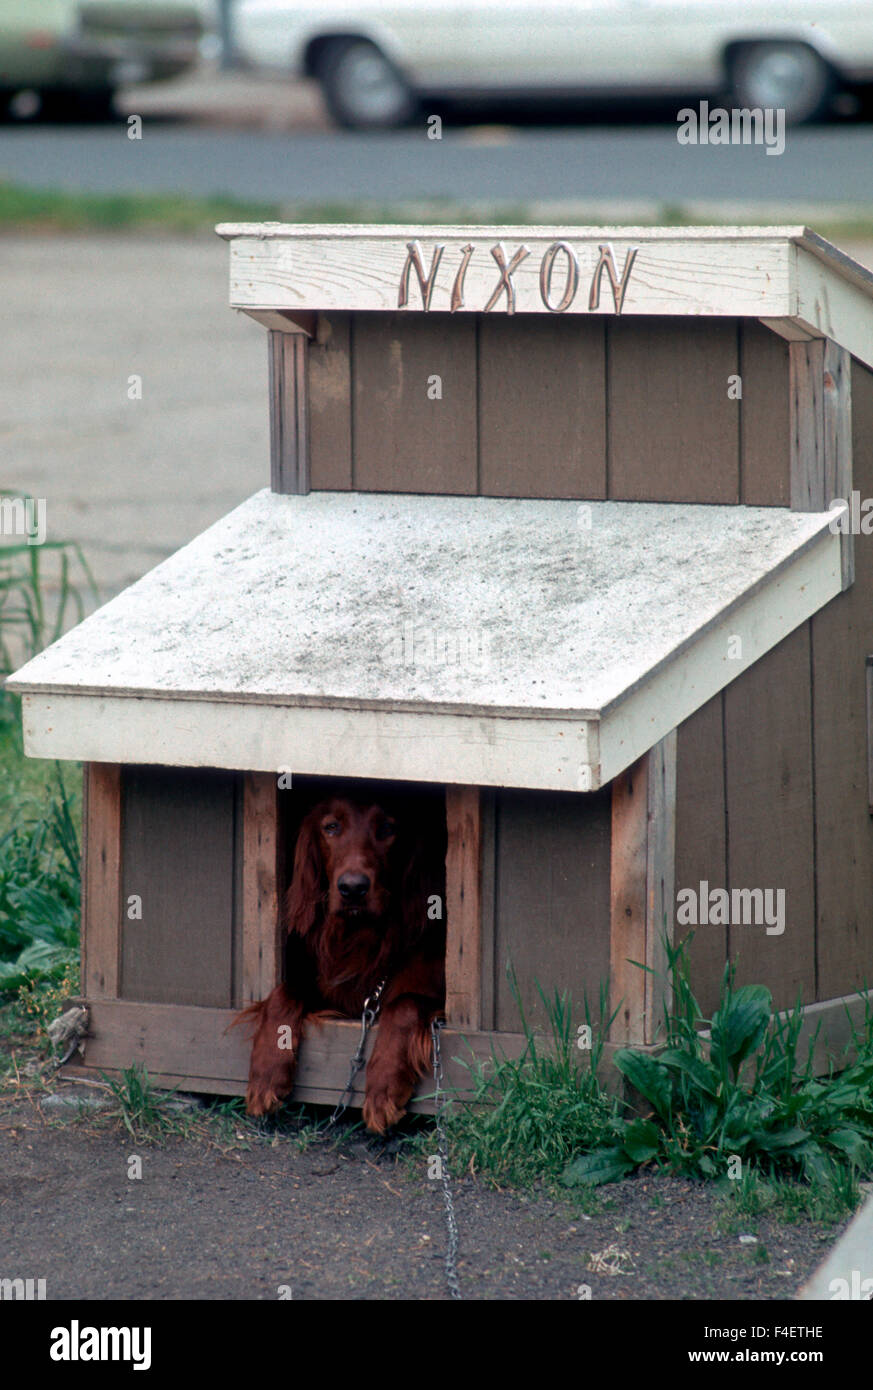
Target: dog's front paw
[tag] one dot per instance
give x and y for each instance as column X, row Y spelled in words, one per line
column 382, row 1109
column 265, row 1095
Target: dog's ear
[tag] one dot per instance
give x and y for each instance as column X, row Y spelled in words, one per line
column 304, row 899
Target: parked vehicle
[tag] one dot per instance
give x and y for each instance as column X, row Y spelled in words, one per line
column 376, row 58
column 75, row 53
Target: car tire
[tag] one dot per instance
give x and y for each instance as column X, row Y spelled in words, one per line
column 787, row 76
column 362, row 89
column 94, row 105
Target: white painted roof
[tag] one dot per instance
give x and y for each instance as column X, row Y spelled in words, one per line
column 482, row 631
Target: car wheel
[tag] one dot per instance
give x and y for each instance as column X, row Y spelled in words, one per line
column 94, row 105
column 787, row 76
column 362, row 89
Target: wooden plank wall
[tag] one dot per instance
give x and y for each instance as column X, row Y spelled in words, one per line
column 177, row 837
column 630, row 409
column 772, row 790
column 550, row 901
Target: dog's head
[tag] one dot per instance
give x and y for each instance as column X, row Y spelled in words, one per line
column 357, row 862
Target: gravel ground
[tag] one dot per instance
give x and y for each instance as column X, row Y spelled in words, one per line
column 209, row 1221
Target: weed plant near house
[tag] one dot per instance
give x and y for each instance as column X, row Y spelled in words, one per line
column 734, row 1096
column 742, row 1099
column 41, row 589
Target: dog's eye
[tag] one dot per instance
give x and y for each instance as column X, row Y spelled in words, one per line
column 331, row 827
column 386, row 830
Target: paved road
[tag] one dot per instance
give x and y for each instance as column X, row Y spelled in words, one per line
column 825, row 164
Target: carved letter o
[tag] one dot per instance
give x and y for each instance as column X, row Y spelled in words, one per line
column 546, row 277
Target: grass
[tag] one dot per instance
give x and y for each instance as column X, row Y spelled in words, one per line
column 52, row 210
column 41, row 593
column 529, row 1115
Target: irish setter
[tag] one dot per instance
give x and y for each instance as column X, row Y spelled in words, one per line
column 365, row 904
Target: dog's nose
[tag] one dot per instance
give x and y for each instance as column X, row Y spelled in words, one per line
column 353, row 887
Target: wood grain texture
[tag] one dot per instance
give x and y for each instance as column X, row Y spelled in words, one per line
column 842, row 639
column 765, row 417
column 463, row 907
column 642, row 892
column 673, row 431
column 869, row 674
column 821, row 433
column 660, row 879
column 488, row 904
column 837, row 397
column 177, row 842
column 359, row 268
column 700, row 840
column 403, row 440
column 552, row 900
column 261, row 931
column 101, row 880
column 330, row 404
column 542, row 383
column 193, row 1050
column 768, row 755
column 289, row 412
column 807, row 426
column 199, row 1048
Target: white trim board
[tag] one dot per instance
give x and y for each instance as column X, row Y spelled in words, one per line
column 277, row 638
column 786, row 274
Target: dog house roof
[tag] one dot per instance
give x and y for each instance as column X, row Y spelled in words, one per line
column 795, row 281
column 495, row 641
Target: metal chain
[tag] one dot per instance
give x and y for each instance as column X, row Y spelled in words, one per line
column 369, row 1014
column 443, row 1152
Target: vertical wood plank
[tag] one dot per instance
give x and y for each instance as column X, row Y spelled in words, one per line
column 673, row 431
column 660, row 878
column 551, row 370
column 837, row 396
column 869, row 673
column 101, row 881
column 463, row 907
column 552, row 900
column 178, row 859
column 701, row 839
column 807, row 426
column 821, row 433
column 488, row 905
column 642, row 892
column 768, row 759
column 842, row 640
column 765, row 417
column 261, row 928
column 330, row 404
column 628, row 904
column 289, row 412
column 405, row 439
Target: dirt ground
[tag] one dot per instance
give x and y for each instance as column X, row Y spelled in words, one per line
column 212, row 1219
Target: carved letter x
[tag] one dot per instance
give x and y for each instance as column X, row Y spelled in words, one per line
column 505, row 282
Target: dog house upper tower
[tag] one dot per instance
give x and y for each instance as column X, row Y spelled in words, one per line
column 549, row 528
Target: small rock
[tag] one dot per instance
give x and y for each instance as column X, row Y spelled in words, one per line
column 75, row 1098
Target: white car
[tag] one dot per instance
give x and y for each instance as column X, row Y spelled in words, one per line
column 375, row 59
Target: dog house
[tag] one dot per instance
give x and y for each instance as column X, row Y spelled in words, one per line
column 549, row 533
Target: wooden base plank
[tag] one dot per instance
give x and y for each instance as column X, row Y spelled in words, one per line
column 189, row 1046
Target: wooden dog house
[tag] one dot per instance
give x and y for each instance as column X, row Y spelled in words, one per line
column 548, row 532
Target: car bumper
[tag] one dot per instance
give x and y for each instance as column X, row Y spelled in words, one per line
column 114, row 61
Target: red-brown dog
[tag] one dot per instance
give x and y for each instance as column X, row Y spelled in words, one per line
column 357, row 912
